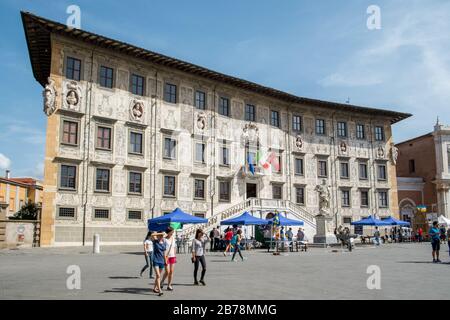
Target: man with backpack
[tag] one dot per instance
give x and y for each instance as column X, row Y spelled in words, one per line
column 435, row 241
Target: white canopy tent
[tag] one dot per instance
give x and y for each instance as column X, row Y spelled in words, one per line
column 443, row 220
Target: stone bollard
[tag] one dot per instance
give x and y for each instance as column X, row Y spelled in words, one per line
column 96, row 243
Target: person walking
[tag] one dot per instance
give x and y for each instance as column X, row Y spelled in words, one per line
column 159, row 249
column 216, row 238
column 211, row 238
column 228, row 237
column 198, row 256
column 435, row 241
column 376, row 235
column 420, row 233
column 148, row 254
column 236, row 242
column 170, row 259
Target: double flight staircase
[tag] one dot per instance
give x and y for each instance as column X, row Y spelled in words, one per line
column 254, row 205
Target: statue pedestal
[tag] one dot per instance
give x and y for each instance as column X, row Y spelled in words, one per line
column 323, row 230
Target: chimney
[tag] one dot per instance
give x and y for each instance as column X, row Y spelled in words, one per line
column 7, row 174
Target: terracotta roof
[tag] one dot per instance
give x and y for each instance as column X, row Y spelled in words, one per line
column 38, row 31
column 427, row 135
column 24, row 182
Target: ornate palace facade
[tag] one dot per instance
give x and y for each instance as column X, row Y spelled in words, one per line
column 133, row 134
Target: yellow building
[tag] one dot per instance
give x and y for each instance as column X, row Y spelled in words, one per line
column 17, row 192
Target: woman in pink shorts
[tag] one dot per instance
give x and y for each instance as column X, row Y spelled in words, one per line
column 171, row 259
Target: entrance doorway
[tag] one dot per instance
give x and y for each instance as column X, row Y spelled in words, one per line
column 252, row 190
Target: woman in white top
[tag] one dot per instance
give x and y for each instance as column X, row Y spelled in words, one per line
column 170, row 258
column 148, row 252
column 198, row 256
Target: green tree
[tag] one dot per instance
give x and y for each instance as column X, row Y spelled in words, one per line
column 27, row 212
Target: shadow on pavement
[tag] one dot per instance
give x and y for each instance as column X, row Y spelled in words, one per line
column 120, row 277
column 427, row 262
column 144, row 291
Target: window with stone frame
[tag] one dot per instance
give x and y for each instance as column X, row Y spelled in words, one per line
column 363, row 172
column 382, row 173
column 135, row 142
column 224, row 156
column 134, row 215
column 170, row 148
column 169, row 186
column 345, row 197
column 379, row 133
column 322, row 171
column 448, row 158
column 383, row 199
column 101, row 214
column 73, row 68
column 135, row 183
column 224, row 191
column 200, row 100
column 277, row 192
column 200, row 151
column 224, row 106
column 250, row 112
column 300, row 195
column 106, row 77
column 298, row 166
column 170, row 93
column 364, row 194
column 347, row 220
column 275, row 118
column 345, row 172
column 68, row 177
column 70, row 132
column 297, row 123
column 360, row 132
column 104, row 137
column 320, row 126
column 66, row 213
column 102, row 180
column 342, row 129
column 137, row 84
column 199, row 188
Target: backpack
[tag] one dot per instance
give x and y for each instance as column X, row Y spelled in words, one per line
column 234, row 239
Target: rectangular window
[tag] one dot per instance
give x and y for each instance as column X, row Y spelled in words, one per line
column 104, row 138
column 360, row 132
column 70, row 132
column 73, row 69
column 134, row 215
column 170, row 93
column 383, row 199
column 297, row 123
column 200, row 100
column 199, row 188
column 277, row 192
column 275, row 118
column 382, row 172
column 224, row 191
column 322, row 168
column 363, row 174
column 300, row 195
column 225, row 156
column 135, row 183
column 169, row 186
column 200, row 215
column 200, row 152
column 101, row 214
column 298, row 166
column 379, row 133
column 347, row 220
column 250, row 113
column 345, row 198
column 106, row 77
column 136, row 142
column 102, row 180
column 224, row 106
column 342, row 129
column 137, row 85
column 412, row 166
column 320, row 126
column 170, row 147
column 345, row 174
column 66, row 213
column 68, row 177
column 364, row 198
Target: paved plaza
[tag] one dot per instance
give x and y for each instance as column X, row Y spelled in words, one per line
column 406, row 273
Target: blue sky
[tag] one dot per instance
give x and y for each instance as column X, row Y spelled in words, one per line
column 318, row 49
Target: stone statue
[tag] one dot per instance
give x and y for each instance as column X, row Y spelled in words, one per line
column 324, row 198
column 299, row 142
column 380, row 152
column 136, row 110
column 49, row 95
column 394, row 154
column 201, row 121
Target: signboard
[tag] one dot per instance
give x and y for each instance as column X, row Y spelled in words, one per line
column 358, row 230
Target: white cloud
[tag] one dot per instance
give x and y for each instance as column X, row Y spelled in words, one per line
column 4, row 162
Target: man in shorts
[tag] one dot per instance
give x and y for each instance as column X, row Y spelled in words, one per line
column 435, row 241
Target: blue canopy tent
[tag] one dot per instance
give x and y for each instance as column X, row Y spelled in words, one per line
column 176, row 216
column 287, row 222
column 245, row 219
column 370, row 221
column 395, row 222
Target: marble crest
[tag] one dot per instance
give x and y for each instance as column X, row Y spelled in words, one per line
column 49, row 94
column 380, row 152
column 72, row 96
column 343, row 147
column 201, row 121
column 136, row 110
column 250, row 132
column 299, row 142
